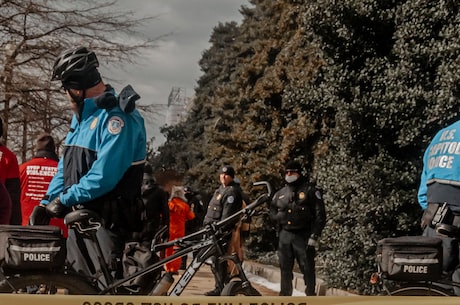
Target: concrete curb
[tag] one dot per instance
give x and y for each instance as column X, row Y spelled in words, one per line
column 272, row 274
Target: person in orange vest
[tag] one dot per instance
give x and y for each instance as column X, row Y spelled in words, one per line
column 35, row 176
column 179, row 214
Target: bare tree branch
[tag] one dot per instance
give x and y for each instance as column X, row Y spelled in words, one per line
column 32, row 34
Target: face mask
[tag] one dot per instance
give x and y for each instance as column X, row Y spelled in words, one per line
column 291, row 178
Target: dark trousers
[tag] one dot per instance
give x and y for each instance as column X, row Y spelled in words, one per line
column 220, row 273
column 451, row 255
column 292, row 246
column 450, row 249
column 220, row 270
column 83, row 256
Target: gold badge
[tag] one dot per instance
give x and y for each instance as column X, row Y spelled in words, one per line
column 93, row 124
column 218, row 196
column 301, row 195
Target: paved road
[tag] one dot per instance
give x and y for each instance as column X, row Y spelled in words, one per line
column 203, row 281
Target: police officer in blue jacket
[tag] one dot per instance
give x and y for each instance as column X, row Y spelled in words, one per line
column 298, row 210
column 439, row 195
column 104, row 152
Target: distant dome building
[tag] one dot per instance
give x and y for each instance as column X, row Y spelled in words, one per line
column 178, row 106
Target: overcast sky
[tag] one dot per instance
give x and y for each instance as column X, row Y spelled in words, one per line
column 174, row 63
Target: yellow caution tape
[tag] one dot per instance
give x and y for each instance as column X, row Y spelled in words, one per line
column 12, row 299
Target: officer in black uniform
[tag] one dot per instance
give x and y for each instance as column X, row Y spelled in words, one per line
column 197, row 206
column 195, row 224
column 298, row 209
column 226, row 201
column 156, row 213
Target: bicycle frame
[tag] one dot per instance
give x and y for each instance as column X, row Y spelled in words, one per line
column 206, row 249
column 207, row 242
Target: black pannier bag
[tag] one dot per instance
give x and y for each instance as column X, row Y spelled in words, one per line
column 32, row 247
column 410, row 258
column 137, row 257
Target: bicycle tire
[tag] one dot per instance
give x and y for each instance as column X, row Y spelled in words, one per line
column 46, row 284
column 421, row 290
column 234, row 288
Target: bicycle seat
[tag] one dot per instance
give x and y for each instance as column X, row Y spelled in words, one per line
column 89, row 219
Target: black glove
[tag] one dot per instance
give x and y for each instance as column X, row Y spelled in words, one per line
column 39, row 216
column 56, row 209
column 312, row 242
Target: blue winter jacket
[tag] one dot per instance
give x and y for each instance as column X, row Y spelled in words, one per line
column 440, row 179
column 104, row 155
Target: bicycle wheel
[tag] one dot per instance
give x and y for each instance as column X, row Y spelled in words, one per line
column 236, row 288
column 46, row 284
column 421, row 290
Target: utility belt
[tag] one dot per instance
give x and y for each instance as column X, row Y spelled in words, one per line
column 441, row 218
column 294, row 230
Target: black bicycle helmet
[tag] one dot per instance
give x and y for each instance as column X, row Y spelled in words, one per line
column 77, row 68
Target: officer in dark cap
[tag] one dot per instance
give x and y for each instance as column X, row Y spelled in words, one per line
column 298, row 209
column 226, row 201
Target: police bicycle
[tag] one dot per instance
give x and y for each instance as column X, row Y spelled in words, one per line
column 412, row 265
column 206, row 243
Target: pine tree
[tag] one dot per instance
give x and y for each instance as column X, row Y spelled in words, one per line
column 353, row 89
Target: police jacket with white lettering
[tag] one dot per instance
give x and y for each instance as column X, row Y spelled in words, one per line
column 299, row 207
column 226, row 201
column 440, row 178
column 104, row 155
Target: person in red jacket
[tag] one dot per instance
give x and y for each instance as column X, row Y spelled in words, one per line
column 5, row 205
column 35, row 176
column 179, row 213
column 9, row 177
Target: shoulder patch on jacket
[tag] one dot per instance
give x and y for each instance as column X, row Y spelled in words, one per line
column 115, row 125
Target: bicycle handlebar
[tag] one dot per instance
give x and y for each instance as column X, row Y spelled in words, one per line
column 267, row 185
column 247, row 210
column 216, row 226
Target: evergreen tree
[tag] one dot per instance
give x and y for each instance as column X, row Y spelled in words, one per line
column 353, row 89
column 390, row 75
column 189, row 145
